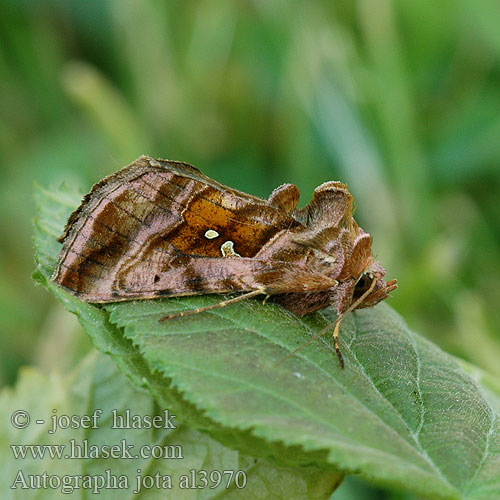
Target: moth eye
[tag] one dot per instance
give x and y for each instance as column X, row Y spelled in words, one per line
column 362, row 286
column 156, row 278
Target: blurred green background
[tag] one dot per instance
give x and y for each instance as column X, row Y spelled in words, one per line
column 400, row 99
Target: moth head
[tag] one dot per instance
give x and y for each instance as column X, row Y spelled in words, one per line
column 372, row 278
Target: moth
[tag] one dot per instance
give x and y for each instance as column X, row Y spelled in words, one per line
column 160, row 228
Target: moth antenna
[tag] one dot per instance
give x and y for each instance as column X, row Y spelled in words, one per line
column 336, row 329
column 219, row 305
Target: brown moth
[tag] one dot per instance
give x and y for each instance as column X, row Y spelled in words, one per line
column 160, row 228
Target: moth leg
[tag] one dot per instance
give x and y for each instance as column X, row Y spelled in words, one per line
column 219, row 305
column 336, row 329
column 306, row 343
column 265, row 299
column 353, row 306
column 335, row 334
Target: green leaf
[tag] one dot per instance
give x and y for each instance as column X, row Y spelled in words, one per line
column 402, row 412
column 97, row 385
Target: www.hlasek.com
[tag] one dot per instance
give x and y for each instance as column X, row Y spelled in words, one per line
column 85, row 450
